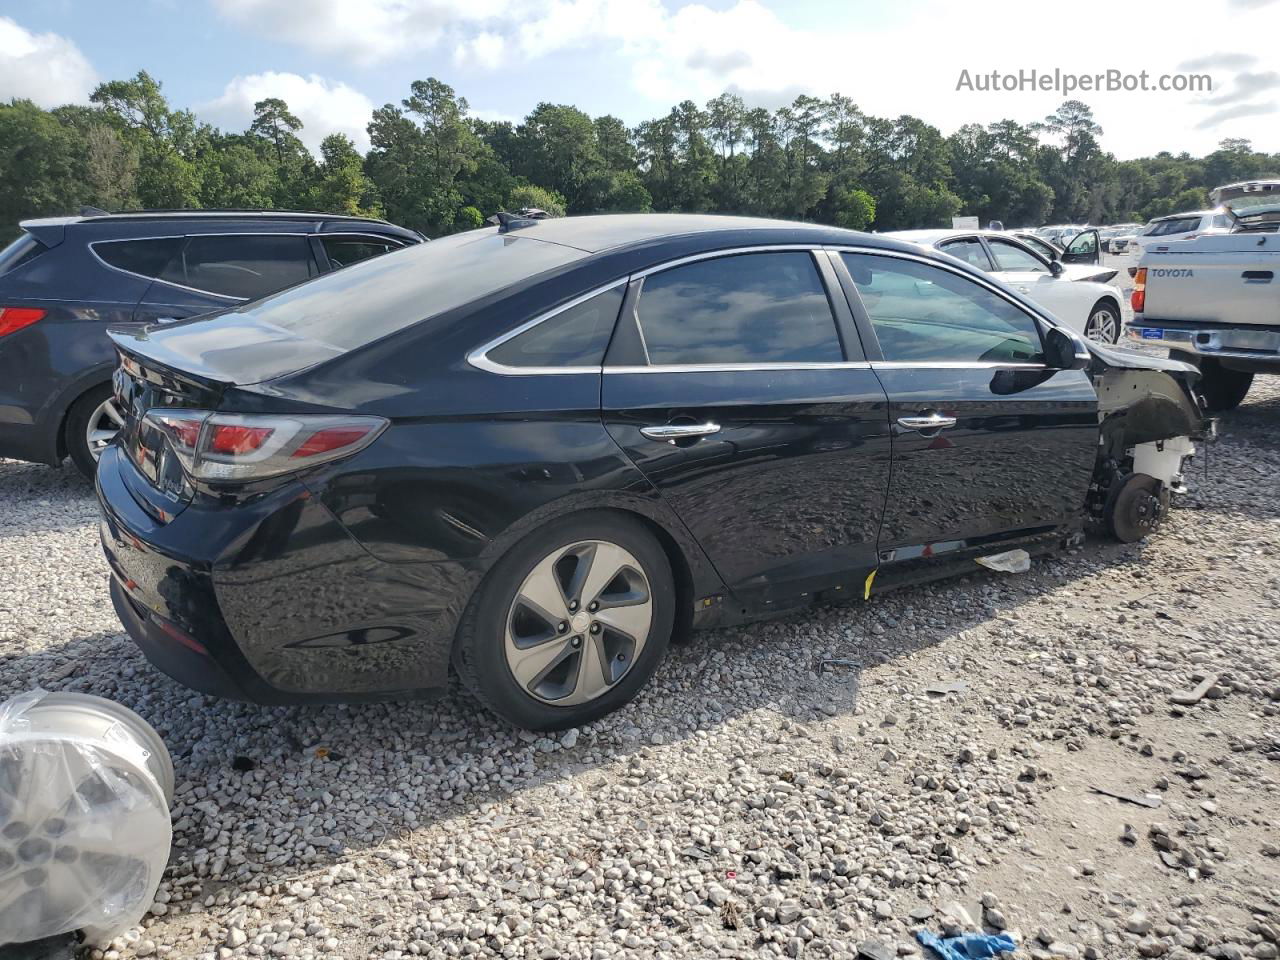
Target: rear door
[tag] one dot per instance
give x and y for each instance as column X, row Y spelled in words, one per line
column 737, row 384
column 989, row 444
column 216, row 271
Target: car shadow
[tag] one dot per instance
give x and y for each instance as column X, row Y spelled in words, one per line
column 413, row 765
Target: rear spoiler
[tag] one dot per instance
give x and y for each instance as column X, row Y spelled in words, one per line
column 50, row 231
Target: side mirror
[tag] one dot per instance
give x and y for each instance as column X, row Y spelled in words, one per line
column 1055, row 267
column 1065, row 351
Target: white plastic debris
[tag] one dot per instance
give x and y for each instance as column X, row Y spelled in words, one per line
column 1011, row 561
column 85, row 788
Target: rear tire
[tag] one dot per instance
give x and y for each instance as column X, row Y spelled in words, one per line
column 571, row 672
column 89, row 417
column 1221, row 388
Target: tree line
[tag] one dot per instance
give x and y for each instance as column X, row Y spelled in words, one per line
column 435, row 168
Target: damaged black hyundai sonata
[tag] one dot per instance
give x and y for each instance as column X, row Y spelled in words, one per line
column 535, row 452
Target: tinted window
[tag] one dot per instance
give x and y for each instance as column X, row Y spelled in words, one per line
column 576, row 337
column 1084, row 243
column 366, row 301
column 1010, row 256
column 968, row 250
column 924, row 314
column 1040, row 247
column 1164, row 228
column 245, row 266
column 752, row 308
column 344, row 251
column 147, row 257
column 23, row 250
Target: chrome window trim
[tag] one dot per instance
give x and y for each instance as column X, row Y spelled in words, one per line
column 479, row 358
column 740, row 367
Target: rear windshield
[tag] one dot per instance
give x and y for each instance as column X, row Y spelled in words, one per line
column 369, row 300
column 23, row 250
column 1163, row 228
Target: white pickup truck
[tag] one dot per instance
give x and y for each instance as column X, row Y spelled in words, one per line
column 1215, row 300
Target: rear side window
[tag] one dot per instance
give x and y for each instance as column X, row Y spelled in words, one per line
column 576, row 337
column 344, row 251
column 749, row 308
column 969, row 250
column 146, row 257
column 245, row 267
column 924, row 314
column 23, row 250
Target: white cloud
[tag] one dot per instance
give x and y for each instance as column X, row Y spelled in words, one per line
column 889, row 61
column 44, row 67
column 365, row 31
column 323, row 106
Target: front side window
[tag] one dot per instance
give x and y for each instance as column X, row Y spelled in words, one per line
column 1086, row 243
column 242, row 266
column 1010, row 256
column 576, row 337
column 748, row 308
column 924, row 314
column 343, row 251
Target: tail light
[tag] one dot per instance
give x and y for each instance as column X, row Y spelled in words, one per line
column 237, row 448
column 13, row 319
column 1139, row 298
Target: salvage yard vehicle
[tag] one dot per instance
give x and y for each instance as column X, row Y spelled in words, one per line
column 1213, row 300
column 64, row 279
column 1177, row 226
column 1077, row 293
column 551, row 445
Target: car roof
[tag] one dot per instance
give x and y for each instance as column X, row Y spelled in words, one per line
column 937, row 236
column 135, row 224
column 598, row 233
column 1186, row 213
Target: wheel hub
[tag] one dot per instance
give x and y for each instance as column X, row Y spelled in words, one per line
column 578, row 622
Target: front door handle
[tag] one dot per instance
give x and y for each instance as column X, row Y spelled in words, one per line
column 671, row 432
column 927, row 421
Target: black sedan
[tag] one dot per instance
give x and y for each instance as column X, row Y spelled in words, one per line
column 536, row 452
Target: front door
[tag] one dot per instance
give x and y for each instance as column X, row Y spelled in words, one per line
column 1085, row 247
column 738, row 386
column 990, row 445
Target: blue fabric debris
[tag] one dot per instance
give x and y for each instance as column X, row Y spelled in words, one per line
column 968, row 946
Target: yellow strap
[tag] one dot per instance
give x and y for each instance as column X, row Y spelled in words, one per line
column 866, row 590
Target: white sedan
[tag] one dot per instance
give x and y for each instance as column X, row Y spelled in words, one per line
column 1087, row 306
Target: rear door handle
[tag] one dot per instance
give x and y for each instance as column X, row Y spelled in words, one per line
column 1257, row 276
column 927, row 421
column 671, row 432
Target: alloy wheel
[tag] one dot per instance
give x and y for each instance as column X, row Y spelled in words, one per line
column 104, row 423
column 1103, row 326
column 578, row 622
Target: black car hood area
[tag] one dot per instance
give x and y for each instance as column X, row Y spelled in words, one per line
column 231, row 348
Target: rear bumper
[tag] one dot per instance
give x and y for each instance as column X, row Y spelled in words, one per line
column 270, row 600
column 1235, row 342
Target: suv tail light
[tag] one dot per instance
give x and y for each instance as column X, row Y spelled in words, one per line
column 1139, row 298
column 237, row 448
column 13, row 319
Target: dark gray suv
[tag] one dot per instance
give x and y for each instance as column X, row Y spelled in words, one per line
column 65, row 279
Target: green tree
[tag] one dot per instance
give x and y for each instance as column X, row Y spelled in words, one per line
column 341, row 185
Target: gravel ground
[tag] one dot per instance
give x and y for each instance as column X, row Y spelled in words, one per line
column 747, row 805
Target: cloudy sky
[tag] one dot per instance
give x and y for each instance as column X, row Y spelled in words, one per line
column 334, row 60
